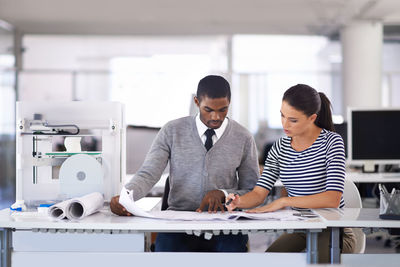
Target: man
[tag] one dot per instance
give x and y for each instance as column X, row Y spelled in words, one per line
column 210, row 156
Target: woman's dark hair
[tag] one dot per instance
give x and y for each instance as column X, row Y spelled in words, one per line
column 307, row 100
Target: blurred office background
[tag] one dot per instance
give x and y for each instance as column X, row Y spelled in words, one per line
column 151, row 54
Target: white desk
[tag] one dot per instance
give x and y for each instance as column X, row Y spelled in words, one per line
column 353, row 218
column 105, row 222
column 359, row 177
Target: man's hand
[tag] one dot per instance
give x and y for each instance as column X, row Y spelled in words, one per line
column 117, row 208
column 213, row 199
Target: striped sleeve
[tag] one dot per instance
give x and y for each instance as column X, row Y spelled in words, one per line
column 335, row 163
column 271, row 168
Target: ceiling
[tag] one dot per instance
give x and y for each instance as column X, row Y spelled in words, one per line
column 180, row 17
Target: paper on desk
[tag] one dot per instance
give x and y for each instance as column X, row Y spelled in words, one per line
column 189, row 215
column 77, row 208
column 126, row 200
column 280, row 215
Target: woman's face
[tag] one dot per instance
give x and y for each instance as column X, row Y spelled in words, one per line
column 295, row 122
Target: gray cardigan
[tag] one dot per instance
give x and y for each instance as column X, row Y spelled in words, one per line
column 231, row 164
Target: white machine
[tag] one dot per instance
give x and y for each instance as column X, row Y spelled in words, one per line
column 68, row 149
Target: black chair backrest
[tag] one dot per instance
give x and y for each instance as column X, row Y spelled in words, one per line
column 164, row 203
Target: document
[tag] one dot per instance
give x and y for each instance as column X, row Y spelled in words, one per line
column 126, row 200
column 279, row 215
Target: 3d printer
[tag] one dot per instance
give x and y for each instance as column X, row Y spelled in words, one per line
column 68, row 149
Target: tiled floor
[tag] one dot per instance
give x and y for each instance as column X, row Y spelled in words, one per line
column 381, row 242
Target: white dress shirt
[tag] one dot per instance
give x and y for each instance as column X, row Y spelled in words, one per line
column 201, row 128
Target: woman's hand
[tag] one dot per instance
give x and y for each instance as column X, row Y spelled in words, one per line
column 233, row 201
column 273, row 206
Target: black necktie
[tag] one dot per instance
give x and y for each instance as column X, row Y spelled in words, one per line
column 209, row 143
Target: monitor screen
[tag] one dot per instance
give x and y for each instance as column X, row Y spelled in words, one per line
column 374, row 135
column 138, row 143
column 342, row 130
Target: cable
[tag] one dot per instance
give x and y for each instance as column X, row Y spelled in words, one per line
column 63, row 125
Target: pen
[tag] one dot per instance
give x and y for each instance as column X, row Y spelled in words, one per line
column 230, row 201
column 384, row 189
column 391, row 202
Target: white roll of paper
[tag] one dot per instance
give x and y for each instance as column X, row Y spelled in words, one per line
column 84, row 206
column 58, row 211
column 77, row 208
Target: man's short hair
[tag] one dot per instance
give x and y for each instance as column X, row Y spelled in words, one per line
column 213, row 86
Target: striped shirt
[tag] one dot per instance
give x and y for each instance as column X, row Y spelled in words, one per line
column 317, row 169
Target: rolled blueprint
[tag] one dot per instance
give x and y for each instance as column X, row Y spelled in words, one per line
column 81, row 207
column 58, row 211
column 77, row 208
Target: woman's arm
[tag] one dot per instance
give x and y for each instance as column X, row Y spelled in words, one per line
column 328, row 199
column 251, row 199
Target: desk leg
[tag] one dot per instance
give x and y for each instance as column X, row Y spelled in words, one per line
column 335, row 245
column 5, row 247
column 312, row 246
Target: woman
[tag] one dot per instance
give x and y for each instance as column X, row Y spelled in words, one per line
column 310, row 162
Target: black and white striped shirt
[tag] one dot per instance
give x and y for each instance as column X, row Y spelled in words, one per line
column 317, row 169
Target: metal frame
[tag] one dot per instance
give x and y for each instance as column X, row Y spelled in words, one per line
column 6, row 247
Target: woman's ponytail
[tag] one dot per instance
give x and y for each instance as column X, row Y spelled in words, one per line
column 324, row 116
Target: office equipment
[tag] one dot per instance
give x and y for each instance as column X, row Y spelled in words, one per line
column 138, row 143
column 93, row 158
column 389, row 204
column 341, row 129
column 229, row 202
column 372, row 137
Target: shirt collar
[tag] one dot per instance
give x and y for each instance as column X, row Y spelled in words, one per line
column 201, row 127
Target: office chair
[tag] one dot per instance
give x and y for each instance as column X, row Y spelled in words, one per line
column 352, row 199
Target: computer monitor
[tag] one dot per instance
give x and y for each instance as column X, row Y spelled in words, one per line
column 373, row 137
column 341, row 129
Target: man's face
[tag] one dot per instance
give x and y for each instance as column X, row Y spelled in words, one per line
column 212, row 110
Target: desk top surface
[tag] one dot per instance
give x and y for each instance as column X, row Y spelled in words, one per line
column 353, row 217
column 348, row 217
column 359, row 177
column 106, row 220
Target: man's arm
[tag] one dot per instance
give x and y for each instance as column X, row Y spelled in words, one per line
column 248, row 171
column 148, row 174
